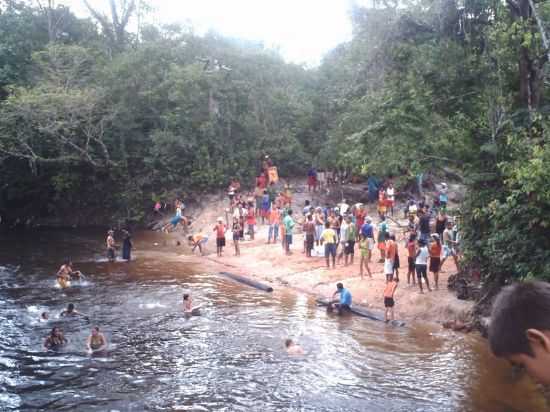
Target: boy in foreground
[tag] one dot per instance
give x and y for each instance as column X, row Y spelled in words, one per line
column 520, row 328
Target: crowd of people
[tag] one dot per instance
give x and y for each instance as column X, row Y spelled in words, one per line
column 336, row 232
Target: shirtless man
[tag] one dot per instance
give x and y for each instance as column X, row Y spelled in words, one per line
column 55, row 339
column 292, row 348
column 96, row 342
column 66, row 271
column 110, row 245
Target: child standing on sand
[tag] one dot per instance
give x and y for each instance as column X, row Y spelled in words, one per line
column 389, row 302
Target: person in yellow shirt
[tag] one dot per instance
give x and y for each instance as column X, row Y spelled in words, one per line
column 329, row 239
column 197, row 241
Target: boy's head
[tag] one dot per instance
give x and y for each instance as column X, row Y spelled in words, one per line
column 520, row 327
column 288, row 343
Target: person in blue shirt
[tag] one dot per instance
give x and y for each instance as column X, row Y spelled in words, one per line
column 367, row 230
column 343, row 304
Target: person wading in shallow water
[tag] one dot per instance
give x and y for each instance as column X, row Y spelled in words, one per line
column 96, row 342
column 127, row 246
column 66, row 274
column 55, row 339
column 110, row 242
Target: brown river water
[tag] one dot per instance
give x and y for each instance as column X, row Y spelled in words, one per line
column 231, row 358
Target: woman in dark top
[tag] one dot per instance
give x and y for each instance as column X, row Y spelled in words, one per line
column 55, row 339
column 127, row 246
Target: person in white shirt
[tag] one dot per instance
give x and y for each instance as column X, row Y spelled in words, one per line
column 390, row 195
column 344, row 207
column 421, row 264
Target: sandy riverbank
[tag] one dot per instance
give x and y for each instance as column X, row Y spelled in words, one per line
column 268, row 263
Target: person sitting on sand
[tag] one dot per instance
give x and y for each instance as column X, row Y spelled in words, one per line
column 55, row 339
column 343, row 303
column 96, row 342
column 292, row 348
column 197, row 241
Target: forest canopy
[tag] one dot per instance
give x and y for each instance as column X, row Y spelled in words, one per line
column 93, row 116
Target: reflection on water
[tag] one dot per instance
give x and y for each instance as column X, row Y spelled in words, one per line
column 230, row 358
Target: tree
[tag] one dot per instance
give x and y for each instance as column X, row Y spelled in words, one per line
column 114, row 27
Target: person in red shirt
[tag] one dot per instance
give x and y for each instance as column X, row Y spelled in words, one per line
column 435, row 258
column 251, row 220
column 220, row 229
column 261, row 181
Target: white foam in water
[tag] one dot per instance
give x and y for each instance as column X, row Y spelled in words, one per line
column 34, row 309
column 151, row 305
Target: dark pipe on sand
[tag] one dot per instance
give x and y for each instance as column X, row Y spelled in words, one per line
column 248, row 281
column 359, row 311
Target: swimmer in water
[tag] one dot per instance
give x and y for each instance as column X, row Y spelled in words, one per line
column 55, row 339
column 96, row 342
column 44, row 316
column 292, row 348
column 187, row 303
column 71, row 311
column 188, row 307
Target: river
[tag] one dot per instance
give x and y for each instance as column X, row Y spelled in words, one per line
column 229, row 359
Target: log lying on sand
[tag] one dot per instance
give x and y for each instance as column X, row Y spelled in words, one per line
column 365, row 313
column 248, row 281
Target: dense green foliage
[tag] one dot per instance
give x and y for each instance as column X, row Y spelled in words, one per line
column 99, row 119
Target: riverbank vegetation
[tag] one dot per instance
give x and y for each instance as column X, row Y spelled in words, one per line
column 94, row 116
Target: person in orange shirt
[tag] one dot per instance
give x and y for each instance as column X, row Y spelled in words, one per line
column 389, row 263
column 382, row 204
column 197, row 241
column 435, row 258
column 389, row 301
column 274, row 222
column 411, row 249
